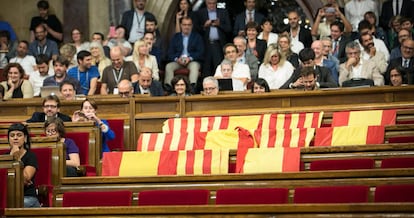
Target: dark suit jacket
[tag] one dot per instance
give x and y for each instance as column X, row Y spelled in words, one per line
column 341, row 50
column 305, row 37
column 261, row 46
column 325, row 79
column 40, row 117
column 195, row 47
column 155, row 88
column 201, row 16
column 407, row 73
column 128, row 17
column 388, row 12
column 240, row 22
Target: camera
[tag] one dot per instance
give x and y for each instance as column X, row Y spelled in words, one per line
column 330, row 10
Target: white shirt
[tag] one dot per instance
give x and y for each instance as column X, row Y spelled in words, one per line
column 296, row 46
column 28, row 63
column 240, row 70
column 37, row 81
column 272, row 38
column 356, row 71
column 380, row 46
column 137, row 28
column 277, row 78
column 355, row 10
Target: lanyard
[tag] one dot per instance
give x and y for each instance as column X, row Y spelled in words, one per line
column 139, row 20
column 119, row 76
column 41, row 52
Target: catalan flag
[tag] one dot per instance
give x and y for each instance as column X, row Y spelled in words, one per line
column 364, row 118
column 205, row 124
column 194, row 162
column 349, row 135
column 270, row 138
column 269, row 160
column 290, row 121
column 215, row 139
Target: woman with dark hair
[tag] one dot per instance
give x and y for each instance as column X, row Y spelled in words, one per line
column 55, row 127
column 260, row 86
column 184, row 10
column 88, row 113
column 16, row 86
column 397, row 76
column 78, row 41
column 19, row 142
column 255, row 46
column 267, row 34
column 181, row 86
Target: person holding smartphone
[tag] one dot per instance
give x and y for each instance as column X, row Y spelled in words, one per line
column 331, row 13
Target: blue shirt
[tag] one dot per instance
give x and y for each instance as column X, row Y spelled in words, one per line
column 84, row 78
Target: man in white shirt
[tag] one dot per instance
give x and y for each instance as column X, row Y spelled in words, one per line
column 370, row 52
column 365, row 27
column 28, row 62
column 241, row 43
column 37, row 77
column 355, row 10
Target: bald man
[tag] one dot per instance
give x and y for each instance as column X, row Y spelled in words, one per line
column 116, row 72
column 125, row 88
column 146, row 85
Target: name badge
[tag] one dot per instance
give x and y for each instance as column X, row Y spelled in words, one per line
column 116, row 91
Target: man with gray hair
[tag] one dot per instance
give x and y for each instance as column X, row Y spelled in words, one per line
column 210, row 86
column 356, row 68
column 244, row 58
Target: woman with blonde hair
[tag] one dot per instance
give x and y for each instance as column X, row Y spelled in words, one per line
column 141, row 58
column 68, row 51
column 275, row 69
column 98, row 57
column 284, row 45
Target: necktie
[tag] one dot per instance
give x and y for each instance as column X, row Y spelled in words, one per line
column 406, row 65
column 397, row 7
column 335, row 48
column 250, row 16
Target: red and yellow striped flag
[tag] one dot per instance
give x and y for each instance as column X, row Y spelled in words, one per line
column 364, row 118
column 349, row 135
column 216, row 139
column 205, row 124
column 290, row 121
column 270, row 138
column 194, row 162
column 269, row 160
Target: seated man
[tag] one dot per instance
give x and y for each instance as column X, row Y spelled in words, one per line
column 146, row 85
column 405, row 62
column 308, row 75
column 125, row 88
column 37, row 77
column 51, row 108
column 210, row 86
column 67, row 90
column 185, row 51
column 85, row 73
column 356, row 68
column 323, row 75
column 60, row 66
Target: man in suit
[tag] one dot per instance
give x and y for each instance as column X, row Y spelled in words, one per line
column 134, row 21
column 392, row 8
column 214, row 25
column 296, row 32
column 405, row 62
column 244, row 58
column 247, row 16
column 339, row 40
column 186, row 50
column 51, row 108
column 146, row 85
column 323, row 75
column 357, row 68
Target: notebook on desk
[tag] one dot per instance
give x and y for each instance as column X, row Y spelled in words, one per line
column 49, row 90
column 230, row 85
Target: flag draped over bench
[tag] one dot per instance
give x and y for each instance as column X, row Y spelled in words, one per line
column 284, row 137
column 290, row 121
column 349, row 135
column 214, row 139
column 364, row 118
column 153, row 163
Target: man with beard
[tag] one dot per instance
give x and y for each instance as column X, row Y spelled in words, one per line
column 50, row 22
column 43, row 45
column 85, row 73
column 51, row 108
column 116, row 72
column 370, row 52
column 60, row 66
column 36, row 78
column 27, row 61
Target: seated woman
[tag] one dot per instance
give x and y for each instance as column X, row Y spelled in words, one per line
column 260, row 86
column 285, row 48
column 141, row 58
column 181, row 86
column 275, row 69
column 239, row 80
column 267, row 33
column 98, row 57
column 55, row 127
column 88, row 113
column 19, row 142
column 16, row 86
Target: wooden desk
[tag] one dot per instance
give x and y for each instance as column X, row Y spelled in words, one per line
column 14, row 180
column 276, row 210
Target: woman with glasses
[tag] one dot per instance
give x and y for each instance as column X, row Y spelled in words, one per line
column 55, row 127
column 88, row 113
column 19, row 142
column 181, row 86
column 16, row 86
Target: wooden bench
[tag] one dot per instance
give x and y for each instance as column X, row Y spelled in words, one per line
column 372, row 178
column 276, row 210
column 14, row 180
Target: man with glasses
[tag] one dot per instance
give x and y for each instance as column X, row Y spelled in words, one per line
column 405, row 62
column 210, row 86
column 125, row 89
column 357, row 69
column 146, row 85
column 43, row 45
column 51, row 108
column 402, row 35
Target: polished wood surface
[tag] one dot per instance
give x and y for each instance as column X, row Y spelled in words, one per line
column 14, row 180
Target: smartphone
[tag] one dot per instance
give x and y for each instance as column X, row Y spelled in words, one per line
column 330, row 10
column 112, row 31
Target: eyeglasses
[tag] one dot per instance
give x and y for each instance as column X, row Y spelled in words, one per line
column 49, row 106
column 407, row 48
column 51, row 131
column 209, row 88
column 122, row 94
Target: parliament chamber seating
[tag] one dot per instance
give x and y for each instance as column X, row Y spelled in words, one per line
column 398, row 162
column 173, row 197
column 3, row 190
column 81, row 139
column 394, row 193
column 331, row 194
column 252, row 196
column 342, row 164
column 99, row 198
